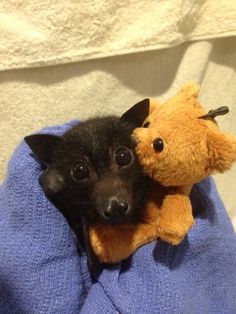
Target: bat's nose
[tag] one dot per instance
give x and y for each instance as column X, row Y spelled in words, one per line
column 116, row 210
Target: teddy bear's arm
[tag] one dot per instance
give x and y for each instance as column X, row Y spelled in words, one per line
column 114, row 243
column 175, row 217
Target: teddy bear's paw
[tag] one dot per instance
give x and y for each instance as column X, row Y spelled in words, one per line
column 175, row 218
column 171, row 238
column 174, row 233
column 110, row 250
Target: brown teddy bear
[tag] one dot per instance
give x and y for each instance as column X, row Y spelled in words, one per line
column 177, row 145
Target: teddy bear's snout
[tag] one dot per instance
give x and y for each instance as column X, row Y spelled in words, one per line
column 135, row 138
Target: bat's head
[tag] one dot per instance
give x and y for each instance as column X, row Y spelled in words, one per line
column 92, row 170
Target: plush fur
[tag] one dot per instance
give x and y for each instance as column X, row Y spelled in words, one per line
column 178, row 145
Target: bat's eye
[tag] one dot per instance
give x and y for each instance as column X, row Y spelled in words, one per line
column 158, row 144
column 80, row 171
column 123, row 156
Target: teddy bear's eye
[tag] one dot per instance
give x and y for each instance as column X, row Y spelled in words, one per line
column 158, row 144
column 146, row 124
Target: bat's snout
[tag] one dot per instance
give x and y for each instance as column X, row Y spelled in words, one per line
column 116, row 210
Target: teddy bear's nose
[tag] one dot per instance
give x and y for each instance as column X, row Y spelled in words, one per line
column 158, row 144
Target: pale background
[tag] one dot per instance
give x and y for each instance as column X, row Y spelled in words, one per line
column 61, row 60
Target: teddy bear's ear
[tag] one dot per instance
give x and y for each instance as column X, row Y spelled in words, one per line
column 138, row 113
column 221, row 151
column 190, row 90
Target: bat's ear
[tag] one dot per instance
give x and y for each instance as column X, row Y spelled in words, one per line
column 138, row 113
column 221, row 151
column 42, row 145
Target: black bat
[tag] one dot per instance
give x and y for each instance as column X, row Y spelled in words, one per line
column 92, row 173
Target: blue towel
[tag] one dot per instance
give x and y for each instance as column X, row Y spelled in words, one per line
column 41, row 271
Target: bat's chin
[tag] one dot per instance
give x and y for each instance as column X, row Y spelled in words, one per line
column 117, row 221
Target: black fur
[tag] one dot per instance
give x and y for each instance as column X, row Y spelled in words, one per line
column 94, row 142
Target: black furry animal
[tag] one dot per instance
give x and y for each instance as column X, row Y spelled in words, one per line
column 92, row 173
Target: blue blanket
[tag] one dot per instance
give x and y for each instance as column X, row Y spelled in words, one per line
column 41, row 271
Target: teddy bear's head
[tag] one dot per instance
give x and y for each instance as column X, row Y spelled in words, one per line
column 178, row 143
